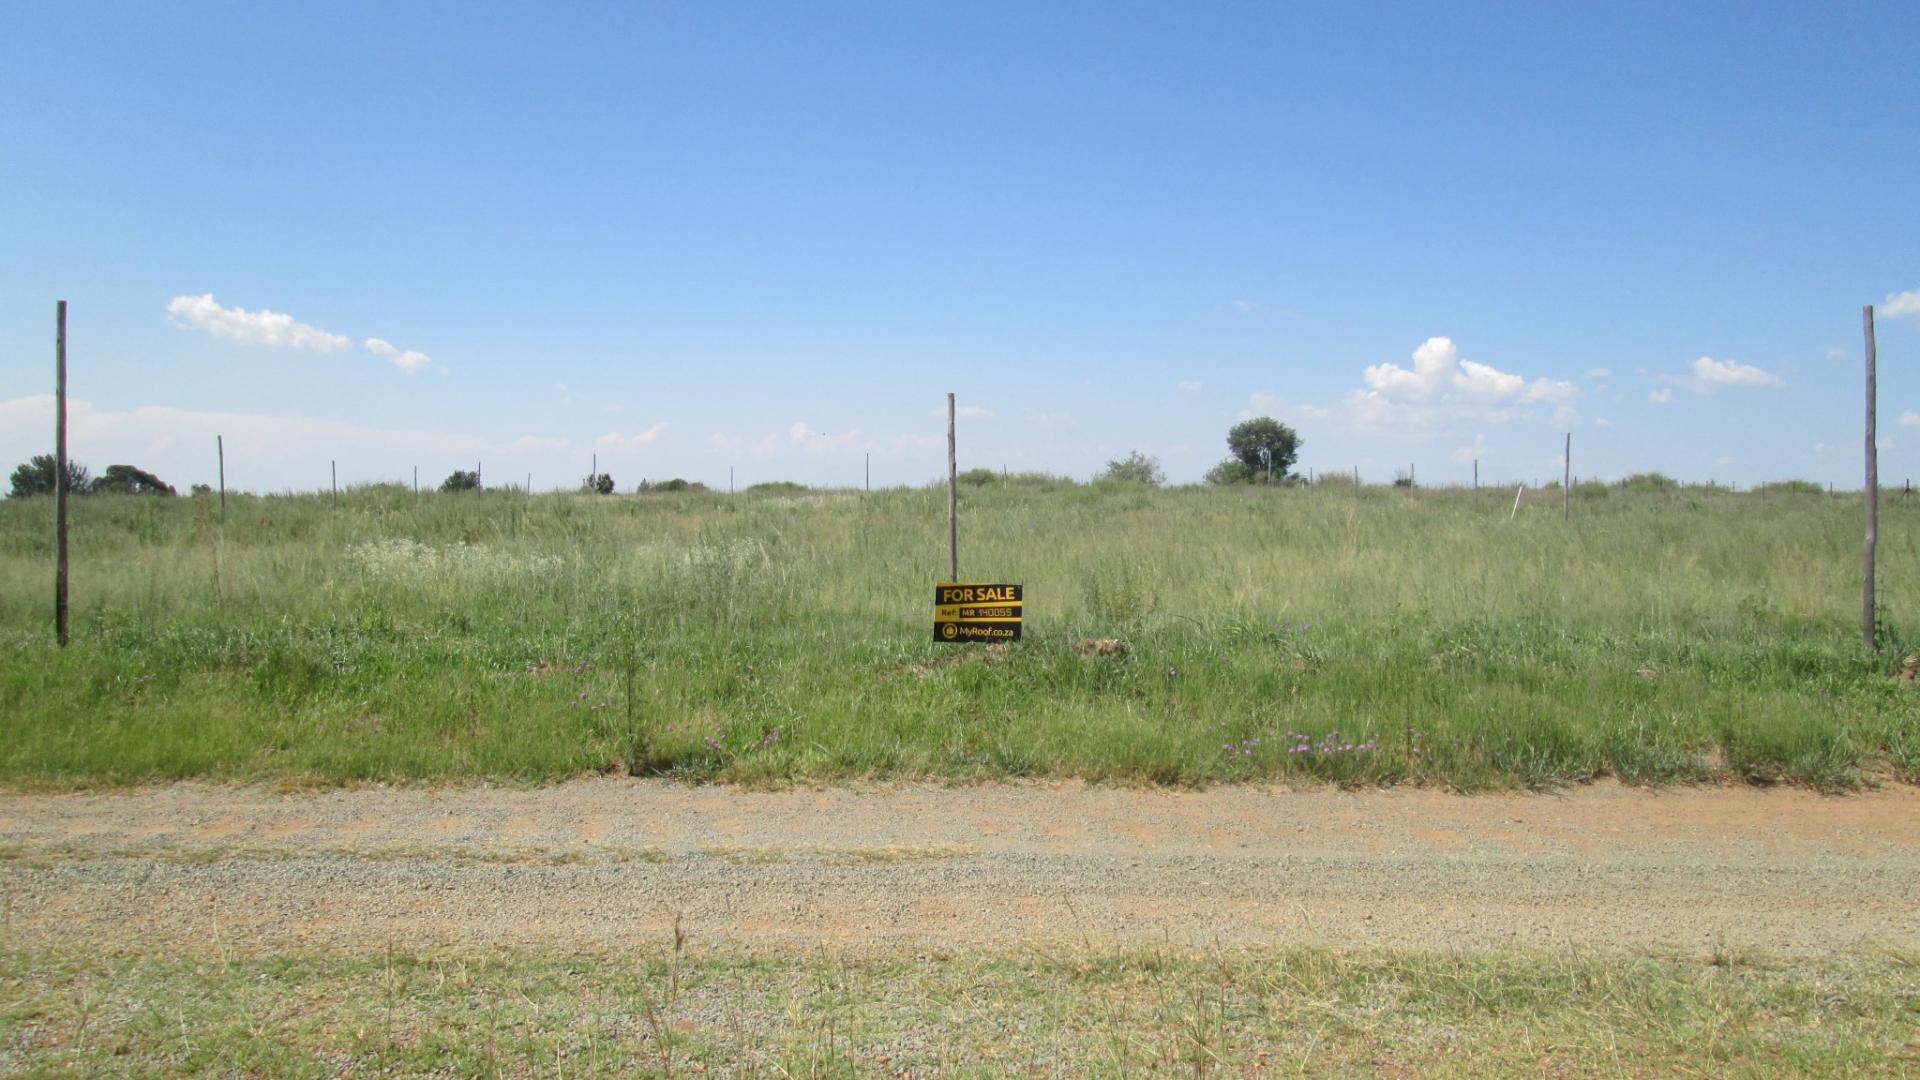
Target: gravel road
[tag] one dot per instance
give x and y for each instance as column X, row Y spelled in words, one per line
column 606, row 862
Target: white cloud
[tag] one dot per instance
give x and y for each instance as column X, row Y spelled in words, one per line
column 412, row 362
column 1713, row 372
column 1662, row 396
column 1835, row 352
column 1821, row 449
column 1599, row 373
column 1188, row 386
column 1244, row 307
column 614, row 440
column 1474, row 452
column 1565, row 416
column 1910, row 419
column 1438, row 373
column 1899, row 305
column 271, row 329
column 1603, row 423
column 1488, row 383
column 1723, row 460
column 1434, row 362
column 741, row 446
column 815, row 442
column 1439, row 393
column 1550, row 390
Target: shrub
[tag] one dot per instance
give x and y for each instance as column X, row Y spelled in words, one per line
column 778, row 487
column 461, row 480
column 1792, row 487
column 1650, row 481
column 128, row 480
column 1135, row 468
column 597, row 484
column 1230, row 471
column 978, row 477
column 668, row 487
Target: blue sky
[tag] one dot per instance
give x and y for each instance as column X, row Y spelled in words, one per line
column 771, row 237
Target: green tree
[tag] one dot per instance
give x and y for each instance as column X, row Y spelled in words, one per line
column 36, row 477
column 1249, row 437
column 1135, row 468
column 128, row 480
column 461, row 480
column 598, row 484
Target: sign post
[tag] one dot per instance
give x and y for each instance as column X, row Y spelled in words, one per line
column 953, row 500
column 966, row 612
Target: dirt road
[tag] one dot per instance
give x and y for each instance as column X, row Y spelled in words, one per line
column 609, row 862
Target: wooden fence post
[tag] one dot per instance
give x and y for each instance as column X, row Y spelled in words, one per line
column 1867, row 634
column 60, row 473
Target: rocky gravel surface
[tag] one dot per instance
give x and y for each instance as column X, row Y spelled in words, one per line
column 604, row 862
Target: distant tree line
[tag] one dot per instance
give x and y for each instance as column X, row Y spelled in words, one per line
column 1263, row 451
column 36, row 477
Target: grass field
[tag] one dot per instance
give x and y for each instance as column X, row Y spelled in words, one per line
column 1078, row 1012
column 1303, row 635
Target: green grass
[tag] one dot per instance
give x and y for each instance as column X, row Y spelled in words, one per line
column 657, row 1011
column 1665, row 636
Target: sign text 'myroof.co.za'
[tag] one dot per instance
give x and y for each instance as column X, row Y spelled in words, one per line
column 976, row 612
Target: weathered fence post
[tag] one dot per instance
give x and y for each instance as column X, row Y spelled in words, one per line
column 1872, row 493
column 60, row 473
